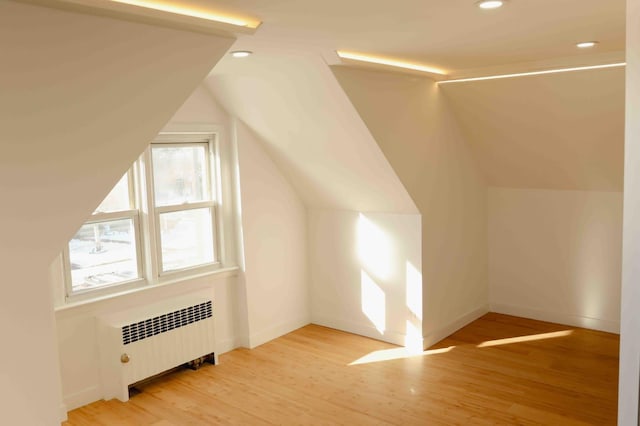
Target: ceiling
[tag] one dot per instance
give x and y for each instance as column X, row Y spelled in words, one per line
column 453, row 35
column 555, row 131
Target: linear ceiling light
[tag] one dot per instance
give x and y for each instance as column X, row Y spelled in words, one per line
column 194, row 13
column 524, row 74
column 389, row 62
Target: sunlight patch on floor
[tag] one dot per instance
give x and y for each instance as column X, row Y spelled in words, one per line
column 521, row 339
column 397, row 353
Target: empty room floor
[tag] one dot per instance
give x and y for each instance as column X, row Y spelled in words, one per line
column 497, row 370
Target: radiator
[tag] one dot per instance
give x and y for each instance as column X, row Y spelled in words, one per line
column 139, row 343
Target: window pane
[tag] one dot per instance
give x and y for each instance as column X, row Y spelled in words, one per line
column 186, row 238
column 118, row 199
column 103, row 253
column 179, row 174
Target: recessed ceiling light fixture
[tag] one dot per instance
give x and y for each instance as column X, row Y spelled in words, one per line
column 241, row 53
column 194, row 13
column 389, row 62
column 524, row 74
column 586, row 44
column 490, row 4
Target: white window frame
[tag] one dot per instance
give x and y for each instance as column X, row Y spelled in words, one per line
column 101, row 217
column 153, row 213
column 146, row 221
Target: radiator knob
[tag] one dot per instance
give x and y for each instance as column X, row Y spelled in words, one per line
column 124, row 358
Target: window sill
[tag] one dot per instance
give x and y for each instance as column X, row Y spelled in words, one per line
column 218, row 273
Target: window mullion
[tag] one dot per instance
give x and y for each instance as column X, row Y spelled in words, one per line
column 182, row 207
column 150, row 219
column 104, row 217
column 191, row 242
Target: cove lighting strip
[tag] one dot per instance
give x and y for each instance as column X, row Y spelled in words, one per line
column 179, row 10
column 389, row 62
column 524, row 74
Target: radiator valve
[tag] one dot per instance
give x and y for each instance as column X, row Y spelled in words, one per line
column 124, row 358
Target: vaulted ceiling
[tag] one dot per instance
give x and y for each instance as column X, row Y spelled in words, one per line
column 555, row 131
column 452, row 34
column 560, row 131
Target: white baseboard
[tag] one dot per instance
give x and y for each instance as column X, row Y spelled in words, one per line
column 361, row 329
column 446, row 330
column 558, row 317
column 269, row 333
column 63, row 413
column 227, row 345
column 83, row 397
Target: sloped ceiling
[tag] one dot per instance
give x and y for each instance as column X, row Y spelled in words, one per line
column 293, row 102
column 81, row 97
column 554, row 131
column 450, row 34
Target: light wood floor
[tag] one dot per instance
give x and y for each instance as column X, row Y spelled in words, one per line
column 306, row 377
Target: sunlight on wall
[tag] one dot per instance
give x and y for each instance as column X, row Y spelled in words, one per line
column 413, row 340
column 590, row 271
column 374, row 248
column 373, row 302
column 521, row 339
column 414, row 290
column 397, row 353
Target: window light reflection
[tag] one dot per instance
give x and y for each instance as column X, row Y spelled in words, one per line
column 413, row 340
column 414, row 290
column 397, row 353
column 374, row 248
column 521, row 339
column 373, row 302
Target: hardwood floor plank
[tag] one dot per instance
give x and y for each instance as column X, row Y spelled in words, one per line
column 497, row 370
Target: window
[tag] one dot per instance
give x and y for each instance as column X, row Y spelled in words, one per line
column 183, row 204
column 159, row 221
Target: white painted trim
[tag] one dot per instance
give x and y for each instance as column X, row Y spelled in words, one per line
column 440, row 333
column 63, row 413
column 82, row 398
column 558, row 317
column 269, row 333
column 215, row 274
column 365, row 330
column 227, row 345
column 192, row 128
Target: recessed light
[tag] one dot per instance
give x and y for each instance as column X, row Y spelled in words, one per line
column 241, row 53
column 586, row 44
column 490, row 4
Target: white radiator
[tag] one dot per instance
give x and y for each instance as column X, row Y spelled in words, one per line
column 140, row 343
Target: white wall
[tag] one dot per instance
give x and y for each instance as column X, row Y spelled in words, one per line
column 76, row 325
column 292, row 101
column 630, row 320
column 556, row 255
column 310, row 131
column 413, row 125
column 275, row 244
column 81, row 97
column 266, row 299
column 77, row 338
column 366, row 274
